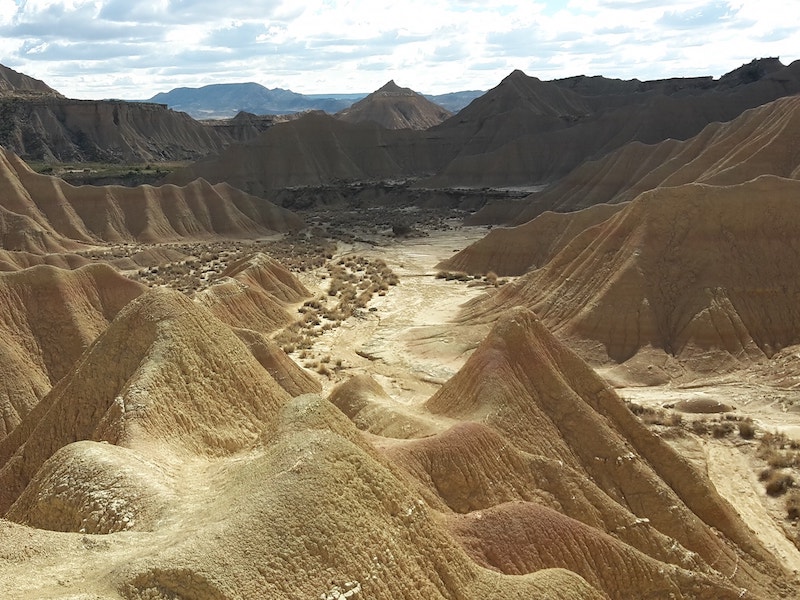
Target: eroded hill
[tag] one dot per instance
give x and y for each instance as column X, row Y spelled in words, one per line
column 40, row 213
column 703, row 273
column 395, row 107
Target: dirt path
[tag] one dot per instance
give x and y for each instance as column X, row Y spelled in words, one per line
column 736, row 481
column 405, row 341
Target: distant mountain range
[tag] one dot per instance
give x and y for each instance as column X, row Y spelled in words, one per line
column 226, row 100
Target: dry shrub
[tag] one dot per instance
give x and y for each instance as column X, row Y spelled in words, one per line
column 747, row 430
column 793, row 505
column 674, row 419
column 776, row 482
column 700, row 427
column 778, row 450
column 655, row 416
column 721, row 430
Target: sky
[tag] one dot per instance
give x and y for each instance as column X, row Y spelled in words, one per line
column 133, row 49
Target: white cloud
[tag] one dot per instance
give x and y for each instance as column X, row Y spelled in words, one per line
column 119, row 48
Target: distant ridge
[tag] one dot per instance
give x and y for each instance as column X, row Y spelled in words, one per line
column 40, row 124
column 226, row 100
column 526, row 131
column 522, row 133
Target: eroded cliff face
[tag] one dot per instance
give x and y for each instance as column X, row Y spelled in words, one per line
column 52, row 128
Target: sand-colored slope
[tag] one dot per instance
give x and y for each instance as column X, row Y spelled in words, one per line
column 259, row 270
column 48, row 317
column 253, row 293
column 361, row 529
column 165, row 370
column 696, row 271
column 594, row 461
column 513, row 251
column 13, row 83
column 292, row 378
column 395, row 107
column 217, row 485
column 39, row 213
column 761, row 141
column 11, row 260
column 313, row 513
column 523, row 537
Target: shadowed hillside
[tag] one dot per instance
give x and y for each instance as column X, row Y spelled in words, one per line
column 759, row 142
column 523, row 132
column 532, row 132
column 313, row 150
